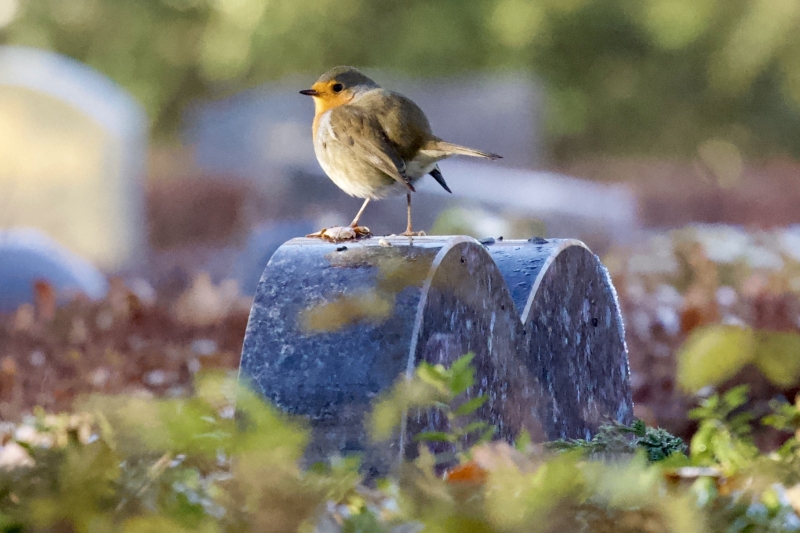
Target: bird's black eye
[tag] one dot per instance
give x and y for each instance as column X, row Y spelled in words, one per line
column 337, row 88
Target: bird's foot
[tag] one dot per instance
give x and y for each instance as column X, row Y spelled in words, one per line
column 413, row 234
column 341, row 233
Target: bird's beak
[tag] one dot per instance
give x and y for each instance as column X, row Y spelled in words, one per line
column 309, row 92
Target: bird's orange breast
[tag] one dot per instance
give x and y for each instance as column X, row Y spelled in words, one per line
column 326, row 103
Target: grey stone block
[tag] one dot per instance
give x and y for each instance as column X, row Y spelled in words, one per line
column 332, row 326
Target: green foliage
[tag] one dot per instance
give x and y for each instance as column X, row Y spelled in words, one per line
column 452, row 382
column 713, row 354
column 716, row 353
column 615, row 438
column 784, row 416
column 711, row 78
column 434, row 386
column 723, row 435
column 659, row 444
column 134, row 464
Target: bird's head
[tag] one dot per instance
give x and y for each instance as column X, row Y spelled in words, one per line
column 337, row 87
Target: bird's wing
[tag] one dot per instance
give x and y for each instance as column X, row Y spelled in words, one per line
column 406, row 126
column 355, row 129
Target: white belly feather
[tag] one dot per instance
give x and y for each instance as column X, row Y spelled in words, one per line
column 359, row 178
column 423, row 163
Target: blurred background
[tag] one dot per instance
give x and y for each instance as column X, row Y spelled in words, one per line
column 154, row 153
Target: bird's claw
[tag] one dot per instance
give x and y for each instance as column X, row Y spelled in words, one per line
column 341, row 233
column 413, row 234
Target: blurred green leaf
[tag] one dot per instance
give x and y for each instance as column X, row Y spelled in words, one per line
column 713, row 354
column 723, row 437
column 479, row 425
column 434, row 436
column 778, row 356
column 720, row 408
column 470, row 406
column 363, row 522
column 784, row 416
column 84, row 488
column 516, row 500
column 523, row 441
column 462, row 374
column 487, row 435
column 390, row 408
column 433, row 375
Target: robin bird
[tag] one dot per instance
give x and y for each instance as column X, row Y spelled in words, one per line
column 373, row 143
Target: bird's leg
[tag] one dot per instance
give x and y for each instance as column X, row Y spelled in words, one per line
column 409, row 231
column 354, row 223
column 345, row 233
column 408, row 226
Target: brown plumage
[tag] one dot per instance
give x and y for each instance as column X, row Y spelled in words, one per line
column 374, row 143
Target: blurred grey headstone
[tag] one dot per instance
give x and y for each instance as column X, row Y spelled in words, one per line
column 332, row 326
column 567, row 205
column 28, row 256
column 497, row 112
column 261, row 244
column 72, row 156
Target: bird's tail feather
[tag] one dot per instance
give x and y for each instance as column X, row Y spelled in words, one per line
column 463, row 150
